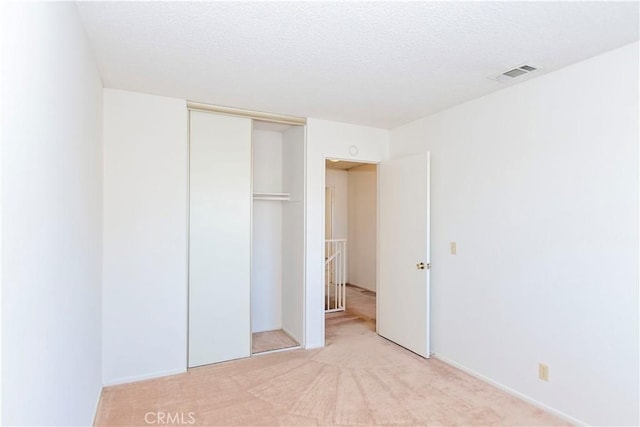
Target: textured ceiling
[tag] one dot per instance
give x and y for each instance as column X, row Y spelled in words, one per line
column 373, row 63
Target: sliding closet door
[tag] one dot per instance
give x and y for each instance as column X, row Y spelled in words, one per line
column 219, row 238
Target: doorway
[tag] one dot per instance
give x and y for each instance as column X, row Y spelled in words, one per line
column 350, row 243
column 402, row 275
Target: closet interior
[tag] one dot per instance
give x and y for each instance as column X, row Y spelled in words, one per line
column 246, row 236
column 277, row 237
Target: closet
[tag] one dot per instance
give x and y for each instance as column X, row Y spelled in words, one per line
column 246, row 234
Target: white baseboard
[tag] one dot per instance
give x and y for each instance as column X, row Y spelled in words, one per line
column 125, row 380
column 511, row 391
column 364, row 288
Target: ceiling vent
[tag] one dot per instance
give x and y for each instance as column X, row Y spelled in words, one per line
column 514, row 73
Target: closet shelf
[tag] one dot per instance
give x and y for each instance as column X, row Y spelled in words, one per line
column 271, row 196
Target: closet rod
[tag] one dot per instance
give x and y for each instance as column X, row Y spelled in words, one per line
column 258, row 115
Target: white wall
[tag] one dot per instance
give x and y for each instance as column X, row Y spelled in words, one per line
column 538, row 185
column 51, row 218
column 145, row 236
column 363, row 226
column 329, row 139
column 266, row 270
column 338, row 180
column 5, row 31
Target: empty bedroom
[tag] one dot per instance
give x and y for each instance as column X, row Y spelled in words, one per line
column 281, row 213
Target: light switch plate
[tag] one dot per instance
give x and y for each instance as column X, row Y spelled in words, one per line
column 454, row 248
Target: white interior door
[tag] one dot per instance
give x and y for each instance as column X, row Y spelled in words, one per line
column 403, row 286
column 219, row 238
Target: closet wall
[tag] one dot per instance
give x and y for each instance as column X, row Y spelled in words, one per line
column 293, row 248
column 266, row 262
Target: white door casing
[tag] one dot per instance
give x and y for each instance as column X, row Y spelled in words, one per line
column 403, row 227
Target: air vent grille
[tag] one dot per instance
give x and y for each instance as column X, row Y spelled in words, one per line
column 515, row 72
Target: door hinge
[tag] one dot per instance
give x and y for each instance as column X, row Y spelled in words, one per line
column 428, row 266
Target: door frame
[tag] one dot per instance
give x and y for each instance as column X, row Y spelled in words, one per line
column 322, row 270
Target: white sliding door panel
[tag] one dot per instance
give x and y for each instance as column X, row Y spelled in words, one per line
column 403, row 263
column 219, row 238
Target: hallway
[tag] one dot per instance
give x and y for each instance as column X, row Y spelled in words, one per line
column 361, row 302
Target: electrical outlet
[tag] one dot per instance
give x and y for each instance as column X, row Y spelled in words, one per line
column 543, row 372
column 454, row 248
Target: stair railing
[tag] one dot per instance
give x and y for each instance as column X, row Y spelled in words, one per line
column 335, row 277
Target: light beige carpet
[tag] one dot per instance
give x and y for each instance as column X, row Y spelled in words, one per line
column 271, row 340
column 358, row 300
column 359, row 378
column 361, row 302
